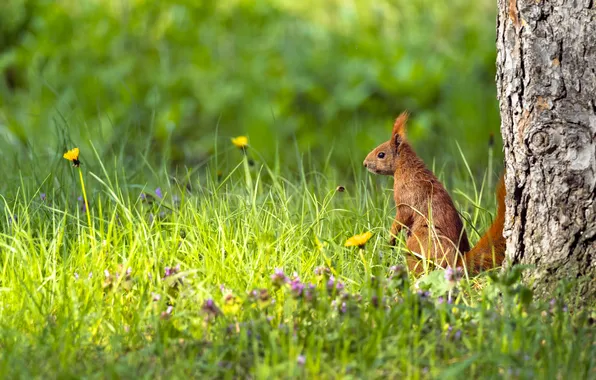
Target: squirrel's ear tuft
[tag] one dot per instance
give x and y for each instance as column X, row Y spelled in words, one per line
column 399, row 127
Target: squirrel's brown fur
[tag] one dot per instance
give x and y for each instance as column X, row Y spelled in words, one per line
column 425, row 209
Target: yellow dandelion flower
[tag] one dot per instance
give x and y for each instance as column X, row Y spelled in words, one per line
column 73, row 156
column 240, row 142
column 358, row 240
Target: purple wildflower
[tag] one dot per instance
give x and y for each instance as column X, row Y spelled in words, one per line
column 322, row 271
column 398, row 271
column 253, row 295
column 334, row 285
column 301, row 360
column 344, row 308
column 264, row 295
column 374, row 300
column 454, row 275
column 296, row 287
column 107, row 282
column 423, row 294
column 210, row 308
column 260, row 296
column 171, row 271
column 42, row 196
column 83, row 206
column 166, row 314
column 553, row 302
column 279, row 278
column 309, row 292
column 158, row 192
column 457, row 335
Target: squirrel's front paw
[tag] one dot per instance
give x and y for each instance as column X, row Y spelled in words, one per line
column 392, row 241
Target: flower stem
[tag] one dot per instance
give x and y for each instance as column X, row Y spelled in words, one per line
column 366, row 266
column 87, row 211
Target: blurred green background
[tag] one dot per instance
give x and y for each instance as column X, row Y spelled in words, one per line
column 171, row 81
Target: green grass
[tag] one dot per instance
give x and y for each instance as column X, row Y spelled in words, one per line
column 69, row 308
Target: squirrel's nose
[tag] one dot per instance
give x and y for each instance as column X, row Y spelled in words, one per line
column 364, row 163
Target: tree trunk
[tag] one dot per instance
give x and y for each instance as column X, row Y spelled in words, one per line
column 546, row 84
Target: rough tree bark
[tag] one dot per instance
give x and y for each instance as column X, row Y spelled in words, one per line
column 546, row 84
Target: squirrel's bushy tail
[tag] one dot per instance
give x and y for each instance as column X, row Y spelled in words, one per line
column 489, row 252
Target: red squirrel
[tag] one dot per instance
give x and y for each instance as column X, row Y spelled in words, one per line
column 425, row 210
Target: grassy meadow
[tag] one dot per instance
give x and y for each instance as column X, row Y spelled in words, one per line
column 171, row 252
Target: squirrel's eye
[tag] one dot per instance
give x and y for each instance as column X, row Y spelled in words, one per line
column 381, row 155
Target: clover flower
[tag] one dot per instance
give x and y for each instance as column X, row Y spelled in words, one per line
column 301, row 360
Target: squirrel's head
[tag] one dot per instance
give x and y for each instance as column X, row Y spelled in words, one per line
column 383, row 159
